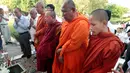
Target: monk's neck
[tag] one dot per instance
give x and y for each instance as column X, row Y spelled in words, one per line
column 42, row 13
column 75, row 16
column 106, row 29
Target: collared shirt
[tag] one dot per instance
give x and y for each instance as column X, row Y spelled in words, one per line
column 22, row 25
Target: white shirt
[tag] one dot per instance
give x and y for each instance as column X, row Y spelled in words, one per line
column 123, row 36
column 32, row 30
column 22, row 25
column 58, row 19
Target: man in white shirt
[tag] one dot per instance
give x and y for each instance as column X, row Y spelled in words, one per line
column 33, row 22
column 4, row 27
column 21, row 25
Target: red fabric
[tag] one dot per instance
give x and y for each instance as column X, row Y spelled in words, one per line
column 46, row 49
column 73, row 41
column 40, row 30
column 102, row 53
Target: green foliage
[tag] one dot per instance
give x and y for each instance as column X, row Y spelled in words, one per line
column 96, row 4
column 83, row 6
column 117, row 11
column 120, row 20
column 25, row 5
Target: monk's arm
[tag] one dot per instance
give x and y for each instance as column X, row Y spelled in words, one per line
column 78, row 37
column 41, row 31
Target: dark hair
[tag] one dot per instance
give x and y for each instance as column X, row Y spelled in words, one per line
column 109, row 14
column 1, row 9
column 51, row 6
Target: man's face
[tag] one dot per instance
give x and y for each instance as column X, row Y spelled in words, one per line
column 39, row 8
column 67, row 13
column 96, row 25
column 17, row 13
column 48, row 18
column 33, row 14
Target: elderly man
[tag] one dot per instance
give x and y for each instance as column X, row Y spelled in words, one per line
column 41, row 25
column 73, row 42
column 33, row 22
column 21, row 25
column 46, row 49
column 51, row 7
column 104, row 47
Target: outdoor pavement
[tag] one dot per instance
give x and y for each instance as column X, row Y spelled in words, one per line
column 14, row 49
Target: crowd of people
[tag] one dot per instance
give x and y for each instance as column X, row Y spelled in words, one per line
column 77, row 44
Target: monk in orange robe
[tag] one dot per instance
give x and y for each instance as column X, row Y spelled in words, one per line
column 46, row 49
column 69, row 56
column 104, row 47
column 41, row 25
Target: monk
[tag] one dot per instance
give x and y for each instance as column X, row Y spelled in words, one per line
column 104, row 47
column 41, row 25
column 46, row 49
column 73, row 41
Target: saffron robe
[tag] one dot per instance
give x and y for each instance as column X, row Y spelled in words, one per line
column 40, row 30
column 46, row 49
column 102, row 53
column 74, row 42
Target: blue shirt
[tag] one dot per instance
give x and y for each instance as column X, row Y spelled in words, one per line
column 22, row 25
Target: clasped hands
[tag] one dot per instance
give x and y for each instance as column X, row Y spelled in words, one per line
column 60, row 58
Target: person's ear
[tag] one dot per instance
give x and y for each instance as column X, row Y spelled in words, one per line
column 73, row 9
column 105, row 22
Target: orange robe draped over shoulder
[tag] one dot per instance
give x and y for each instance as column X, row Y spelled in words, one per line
column 74, row 42
column 102, row 53
column 40, row 30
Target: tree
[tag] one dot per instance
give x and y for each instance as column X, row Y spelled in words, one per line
column 117, row 11
column 25, row 5
column 96, row 4
column 83, row 6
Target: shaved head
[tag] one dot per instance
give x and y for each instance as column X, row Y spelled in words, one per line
column 98, row 21
column 69, row 10
column 51, row 13
column 40, row 4
column 100, row 14
column 40, row 7
column 33, row 10
column 50, row 17
column 69, row 3
column 33, row 13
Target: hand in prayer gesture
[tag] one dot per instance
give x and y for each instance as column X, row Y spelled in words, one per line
column 31, row 22
column 16, row 20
